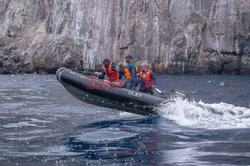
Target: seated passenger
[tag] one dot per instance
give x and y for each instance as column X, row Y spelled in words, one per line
column 147, row 80
column 130, row 73
column 110, row 70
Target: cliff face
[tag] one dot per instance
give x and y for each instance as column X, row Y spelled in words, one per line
column 174, row 36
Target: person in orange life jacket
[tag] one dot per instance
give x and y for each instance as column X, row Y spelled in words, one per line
column 147, row 80
column 110, row 70
column 130, row 73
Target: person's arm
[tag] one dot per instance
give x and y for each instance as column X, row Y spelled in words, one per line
column 114, row 67
column 153, row 77
column 132, row 70
column 102, row 76
column 121, row 73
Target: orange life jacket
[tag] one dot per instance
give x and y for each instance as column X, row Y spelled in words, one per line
column 128, row 74
column 148, row 81
column 112, row 75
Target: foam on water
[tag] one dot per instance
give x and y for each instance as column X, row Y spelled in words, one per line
column 19, row 124
column 201, row 115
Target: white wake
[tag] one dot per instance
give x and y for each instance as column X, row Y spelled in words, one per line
column 201, row 115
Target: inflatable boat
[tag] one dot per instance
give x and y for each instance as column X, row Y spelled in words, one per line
column 98, row 92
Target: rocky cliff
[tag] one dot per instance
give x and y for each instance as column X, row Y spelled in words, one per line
column 174, row 36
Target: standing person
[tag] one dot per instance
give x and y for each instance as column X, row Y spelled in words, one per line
column 147, row 80
column 110, row 70
column 130, row 73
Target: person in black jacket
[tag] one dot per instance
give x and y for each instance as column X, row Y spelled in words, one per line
column 111, row 70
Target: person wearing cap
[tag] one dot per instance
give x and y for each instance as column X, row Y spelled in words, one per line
column 130, row 73
column 110, row 70
column 147, row 80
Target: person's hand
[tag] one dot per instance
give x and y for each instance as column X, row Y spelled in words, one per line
column 154, row 86
column 117, row 69
column 97, row 74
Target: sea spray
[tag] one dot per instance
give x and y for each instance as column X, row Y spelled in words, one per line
column 202, row 115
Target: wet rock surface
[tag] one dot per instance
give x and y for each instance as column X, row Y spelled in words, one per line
column 174, row 36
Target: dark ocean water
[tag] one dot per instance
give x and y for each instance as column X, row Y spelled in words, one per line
column 41, row 124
